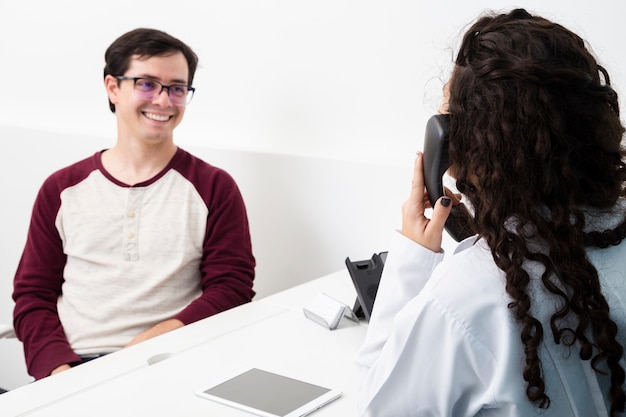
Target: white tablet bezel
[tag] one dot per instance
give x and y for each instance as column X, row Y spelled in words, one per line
column 302, row 410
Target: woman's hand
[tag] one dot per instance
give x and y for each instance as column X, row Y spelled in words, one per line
column 415, row 225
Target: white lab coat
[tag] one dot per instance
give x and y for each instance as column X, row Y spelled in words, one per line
column 443, row 342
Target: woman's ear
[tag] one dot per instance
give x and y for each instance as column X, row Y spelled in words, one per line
column 443, row 109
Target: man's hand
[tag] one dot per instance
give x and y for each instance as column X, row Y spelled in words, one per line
column 163, row 327
column 60, row 369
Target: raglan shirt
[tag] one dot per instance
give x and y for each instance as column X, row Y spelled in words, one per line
column 442, row 341
column 104, row 261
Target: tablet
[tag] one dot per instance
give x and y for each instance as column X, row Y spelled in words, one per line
column 268, row 394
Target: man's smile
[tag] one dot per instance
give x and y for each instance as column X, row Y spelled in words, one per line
column 157, row 117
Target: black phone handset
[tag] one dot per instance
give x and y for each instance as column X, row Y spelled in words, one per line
column 436, row 163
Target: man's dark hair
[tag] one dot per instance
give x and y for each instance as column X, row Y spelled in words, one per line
column 145, row 43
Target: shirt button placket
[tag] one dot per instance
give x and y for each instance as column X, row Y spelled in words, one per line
column 131, row 224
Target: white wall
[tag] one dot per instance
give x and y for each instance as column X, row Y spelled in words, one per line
column 342, row 86
column 340, row 78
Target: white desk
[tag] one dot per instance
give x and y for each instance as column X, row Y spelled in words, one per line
column 271, row 333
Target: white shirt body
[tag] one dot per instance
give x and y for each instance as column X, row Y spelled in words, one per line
column 443, row 342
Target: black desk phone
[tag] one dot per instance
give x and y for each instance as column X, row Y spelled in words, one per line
column 436, row 163
column 365, row 276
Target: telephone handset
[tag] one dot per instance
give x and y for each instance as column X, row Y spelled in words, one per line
column 436, row 163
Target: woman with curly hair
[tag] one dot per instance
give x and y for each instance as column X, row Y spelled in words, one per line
column 527, row 317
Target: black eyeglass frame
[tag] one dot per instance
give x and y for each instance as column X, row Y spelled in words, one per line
column 189, row 88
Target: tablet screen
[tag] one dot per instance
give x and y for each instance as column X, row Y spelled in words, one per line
column 270, row 394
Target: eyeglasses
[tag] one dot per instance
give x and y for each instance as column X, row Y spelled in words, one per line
column 148, row 89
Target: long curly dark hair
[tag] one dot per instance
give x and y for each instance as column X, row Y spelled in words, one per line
column 535, row 140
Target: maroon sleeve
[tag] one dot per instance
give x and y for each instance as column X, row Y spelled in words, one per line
column 38, row 281
column 227, row 266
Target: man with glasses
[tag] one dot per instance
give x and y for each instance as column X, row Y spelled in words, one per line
column 138, row 239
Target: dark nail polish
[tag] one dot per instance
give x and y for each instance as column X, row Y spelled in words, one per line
column 445, row 201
